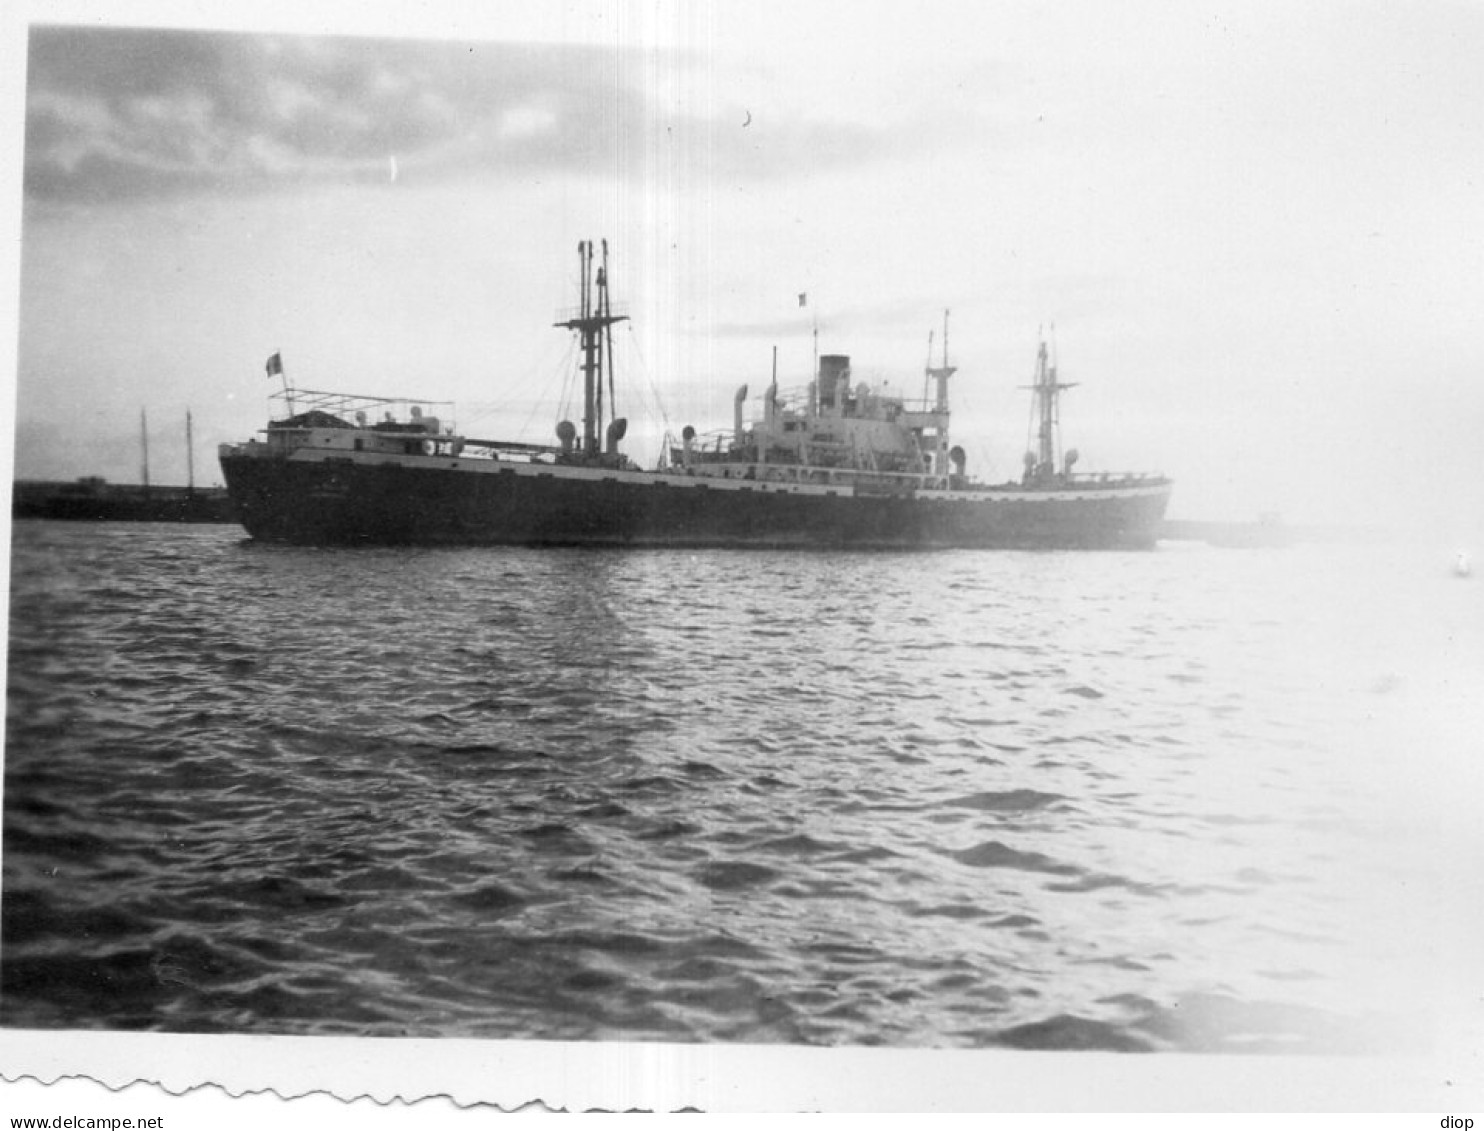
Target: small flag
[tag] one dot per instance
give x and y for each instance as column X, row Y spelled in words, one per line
column 275, row 365
column 804, row 299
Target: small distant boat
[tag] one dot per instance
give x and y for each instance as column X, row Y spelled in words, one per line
column 1268, row 531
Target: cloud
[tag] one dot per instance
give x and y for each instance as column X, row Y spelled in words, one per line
column 873, row 318
column 117, row 114
column 121, row 113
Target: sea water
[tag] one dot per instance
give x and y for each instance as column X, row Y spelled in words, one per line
column 1192, row 799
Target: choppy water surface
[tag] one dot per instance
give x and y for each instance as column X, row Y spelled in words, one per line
column 1144, row 801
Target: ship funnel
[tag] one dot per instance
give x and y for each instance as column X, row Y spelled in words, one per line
column 567, row 434
column 737, row 414
column 834, row 377
column 616, row 430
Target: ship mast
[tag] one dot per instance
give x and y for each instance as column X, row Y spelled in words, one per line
column 943, row 372
column 144, row 450
column 592, row 323
column 1047, row 389
column 606, row 310
column 940, row 374
column 927, row 370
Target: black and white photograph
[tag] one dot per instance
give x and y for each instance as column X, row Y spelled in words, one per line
column 937, row 548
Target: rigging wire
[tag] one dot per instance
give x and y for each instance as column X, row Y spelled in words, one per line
column 654, row 396
column 1030, row 426
column 659, row 404
column 558, row 352
column 563, row 404
column 569, row 381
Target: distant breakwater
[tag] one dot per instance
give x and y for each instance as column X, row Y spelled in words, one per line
column 96, row 500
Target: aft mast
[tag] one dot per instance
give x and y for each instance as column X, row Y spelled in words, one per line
column 593, row 323
column 1042, row 464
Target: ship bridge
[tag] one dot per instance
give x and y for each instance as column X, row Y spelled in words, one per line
column 835, row 424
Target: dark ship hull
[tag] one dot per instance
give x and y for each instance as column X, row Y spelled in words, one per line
column 424, row 500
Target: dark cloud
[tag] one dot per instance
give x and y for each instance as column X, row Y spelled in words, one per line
column 124, row 113
column 120, row 113
column 123, row 63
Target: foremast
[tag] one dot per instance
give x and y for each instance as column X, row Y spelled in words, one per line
column 594, row 324
column 938, row 377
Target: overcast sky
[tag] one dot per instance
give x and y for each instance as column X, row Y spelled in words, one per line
column 1257, row 228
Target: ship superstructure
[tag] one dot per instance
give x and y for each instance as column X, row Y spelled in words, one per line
column 837, row 430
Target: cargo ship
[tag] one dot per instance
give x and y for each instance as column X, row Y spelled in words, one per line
column 838, row 465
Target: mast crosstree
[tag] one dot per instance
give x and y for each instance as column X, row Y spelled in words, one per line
column 1041, row 464
column 593, row 324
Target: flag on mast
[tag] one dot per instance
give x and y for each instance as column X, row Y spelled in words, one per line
column 275, row 366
